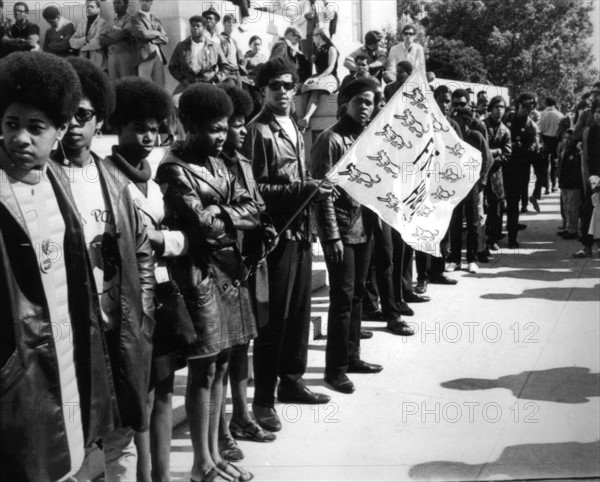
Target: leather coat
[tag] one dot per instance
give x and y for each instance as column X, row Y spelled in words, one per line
column 280, row 170
column 501, row 150
column 343, row 218
column 213, row 261
column 33, row 433
column 130, row 341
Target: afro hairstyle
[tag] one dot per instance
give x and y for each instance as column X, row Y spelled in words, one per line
column 95, row 86
column 201, row 103
column 241, row 100
column 42, row 80
column 138, row 99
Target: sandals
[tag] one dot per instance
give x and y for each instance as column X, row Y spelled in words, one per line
column 250, row 431
column 244, row 475
column 213, row 475
column 229, row 449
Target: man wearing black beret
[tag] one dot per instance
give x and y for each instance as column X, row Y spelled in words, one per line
column 276, row 148
column 345, row 230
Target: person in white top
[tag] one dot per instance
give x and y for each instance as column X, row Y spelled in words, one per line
column 409, row 50
column 549, row 127
column 122, row 263
column 51, row 343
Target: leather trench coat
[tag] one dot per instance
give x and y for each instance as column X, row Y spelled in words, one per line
column 33, row 433
column 212, row 275
column 130, row 341
column 501, row 150
column 344, row 218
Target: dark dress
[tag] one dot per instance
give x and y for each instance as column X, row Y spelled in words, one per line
column 330, row 83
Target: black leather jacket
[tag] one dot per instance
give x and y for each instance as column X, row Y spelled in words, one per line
column 280, row 171
column 343, row 218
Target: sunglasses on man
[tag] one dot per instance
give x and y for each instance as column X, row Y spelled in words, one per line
column 277, row 85
column 409, row 34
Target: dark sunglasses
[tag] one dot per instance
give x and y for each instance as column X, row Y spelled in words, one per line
column 277, row 85
column 459, row 104
column 412, row 34
column 84, row 115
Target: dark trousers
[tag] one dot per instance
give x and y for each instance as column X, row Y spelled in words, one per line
column 585, row 217
column 429, row 266
column 540, row 168
column 551, row 145
column 244, row 6
column 468, row 206
column 402, row 275
column 281, row 347
column 512, row 178
column 346, row 291
column 380, row 281
column 524, row 177
column 493, row 221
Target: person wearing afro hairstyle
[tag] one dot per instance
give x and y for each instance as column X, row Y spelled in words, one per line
column 346, row 233
column 123, row 276
column 56, row 40
column 137, row 131
column 205, row 201
column 242, row 425
column 276, row 148
column 45, row 287
column 403, row 71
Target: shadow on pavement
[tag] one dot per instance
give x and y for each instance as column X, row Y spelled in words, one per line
column 529, row 461
column 562, row 385
column 553, row 294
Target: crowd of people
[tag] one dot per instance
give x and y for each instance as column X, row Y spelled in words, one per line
column 148, row 272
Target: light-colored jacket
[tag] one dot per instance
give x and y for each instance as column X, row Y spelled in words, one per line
column 89, row 45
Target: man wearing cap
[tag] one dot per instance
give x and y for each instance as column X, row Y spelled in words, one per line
column 212, row 19
column 288, row 48
column 346, row 233
column 276, row 148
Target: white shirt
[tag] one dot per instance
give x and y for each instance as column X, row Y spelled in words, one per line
column 399, row 52
column 197, row 51
column 549, row 121
column 287, row 124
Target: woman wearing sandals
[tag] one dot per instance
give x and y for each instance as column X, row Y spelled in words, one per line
column 206, row 202
column 325, row 82
column 242, row 425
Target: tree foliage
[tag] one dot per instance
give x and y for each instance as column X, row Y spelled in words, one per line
column 526, row 45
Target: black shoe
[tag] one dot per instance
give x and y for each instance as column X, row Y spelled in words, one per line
column 493, row 246
column 534, row 202
column 299, row 393
column 373, row 316
column 568, row 235
column 399, row 327
column 361, row 366
column 524, row 210
column 405, row 310
column 442, row 279
column 411, row 297
column 483, row 258
column 421, row 287
column 266, row 417
column 365, row 335
column 340, row 384
column 513, row 245
column 521, row 227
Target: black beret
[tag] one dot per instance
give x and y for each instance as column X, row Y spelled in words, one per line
column 274, row 68
column 42, row 80
column 357, row 87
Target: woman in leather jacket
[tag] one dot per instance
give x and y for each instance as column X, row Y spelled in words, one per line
column 205, row 201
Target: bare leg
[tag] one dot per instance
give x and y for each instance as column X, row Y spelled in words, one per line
column 161, row 430
column 313, row 103
column 198, row 400
column 142, row 445
column 238, row 376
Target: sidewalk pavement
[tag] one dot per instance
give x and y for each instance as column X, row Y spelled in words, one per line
column 501, row 381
